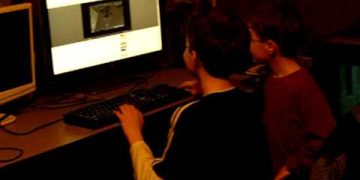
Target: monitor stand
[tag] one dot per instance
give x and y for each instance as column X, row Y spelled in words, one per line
column 6, row 119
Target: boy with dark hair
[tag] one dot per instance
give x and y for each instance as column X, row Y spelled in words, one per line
column 208, row 138
column 297, row 116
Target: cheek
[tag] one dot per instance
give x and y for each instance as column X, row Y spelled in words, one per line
column 257, row 52
column 253, row 49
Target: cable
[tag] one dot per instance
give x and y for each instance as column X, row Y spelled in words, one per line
column 60, row 100
column 144, row 82
column 32, row 130
column 20, row 152
column 118, row 83
column 72, row 99
column 63, row 102
column 65, row 105
column 52, row 100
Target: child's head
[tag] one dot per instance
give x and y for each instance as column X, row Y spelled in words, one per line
column 221, row 43
column 276, row 27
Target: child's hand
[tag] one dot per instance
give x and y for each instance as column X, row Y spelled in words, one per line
column 131, row 122
column 192, row 86
column 258, row 69
column 282, row 174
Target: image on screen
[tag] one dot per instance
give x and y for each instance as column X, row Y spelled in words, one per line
column 105, row 17
column 89, row 33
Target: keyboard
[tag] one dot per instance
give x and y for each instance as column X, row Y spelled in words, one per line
column 149, row 101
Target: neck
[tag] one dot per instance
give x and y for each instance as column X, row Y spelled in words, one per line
column 210, row 84
column 283, row 66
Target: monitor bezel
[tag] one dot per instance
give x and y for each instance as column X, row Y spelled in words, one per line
column 27, row 88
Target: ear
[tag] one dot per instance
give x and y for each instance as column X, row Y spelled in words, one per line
column 194, row 59
column 193, row 54
column 271, row 47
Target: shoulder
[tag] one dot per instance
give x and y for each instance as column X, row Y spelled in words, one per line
column 305, row 75
column 185, row 109
column 301, row 77
column 308, row 81
column 231, row 95
column 217, row 103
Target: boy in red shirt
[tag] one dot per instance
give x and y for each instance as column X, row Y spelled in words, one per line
column 296, row 115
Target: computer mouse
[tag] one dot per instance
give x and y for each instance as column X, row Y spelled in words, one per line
column 6, row 119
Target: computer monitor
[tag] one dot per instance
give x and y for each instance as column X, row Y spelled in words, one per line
column 17, row 62
column 88, row 34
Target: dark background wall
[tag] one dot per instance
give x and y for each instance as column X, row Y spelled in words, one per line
column 323, row 16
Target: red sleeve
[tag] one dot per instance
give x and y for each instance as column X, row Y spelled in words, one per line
column 318, row 121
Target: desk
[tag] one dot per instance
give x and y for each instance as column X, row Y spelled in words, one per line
column 60, row 145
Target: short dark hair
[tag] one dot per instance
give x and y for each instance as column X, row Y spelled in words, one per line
column 280, row 22
column 222, row 42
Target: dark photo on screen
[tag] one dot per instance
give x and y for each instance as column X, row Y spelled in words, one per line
column 103, row 17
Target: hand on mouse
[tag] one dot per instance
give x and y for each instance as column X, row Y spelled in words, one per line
column 6, row 119
column 192, row 86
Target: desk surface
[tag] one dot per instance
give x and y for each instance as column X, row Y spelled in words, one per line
column 60, row 134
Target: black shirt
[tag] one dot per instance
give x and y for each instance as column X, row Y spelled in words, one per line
column 219, row 137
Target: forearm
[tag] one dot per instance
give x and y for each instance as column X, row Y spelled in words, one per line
column 142, row 160
column 134, row 137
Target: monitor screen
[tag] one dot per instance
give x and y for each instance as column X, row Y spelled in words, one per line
column 90, row 33
column 17, row 75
